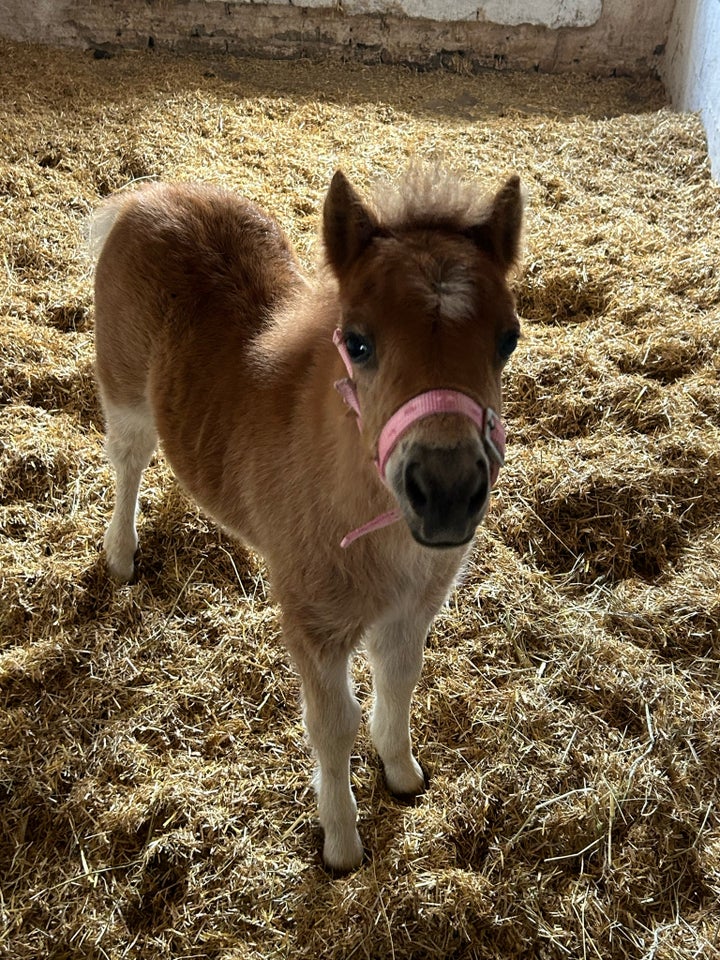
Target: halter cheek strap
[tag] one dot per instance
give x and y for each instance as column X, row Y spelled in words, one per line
column 424, row 405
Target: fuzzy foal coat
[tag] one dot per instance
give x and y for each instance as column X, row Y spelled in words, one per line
column 209, row 337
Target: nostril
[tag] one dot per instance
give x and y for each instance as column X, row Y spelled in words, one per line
column 479, row 495
column 414, row 487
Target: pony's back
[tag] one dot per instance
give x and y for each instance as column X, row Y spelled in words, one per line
column 182, row 256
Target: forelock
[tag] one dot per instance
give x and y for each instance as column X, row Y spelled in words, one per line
column 430, row 197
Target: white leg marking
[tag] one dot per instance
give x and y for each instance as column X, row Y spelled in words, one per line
column 332, row 717
column 131, row 440
column 395, row 651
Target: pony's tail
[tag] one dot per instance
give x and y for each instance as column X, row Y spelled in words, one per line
column 101, row 221
column 99, row 225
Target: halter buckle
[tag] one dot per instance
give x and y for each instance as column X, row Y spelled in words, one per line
column 490, row 425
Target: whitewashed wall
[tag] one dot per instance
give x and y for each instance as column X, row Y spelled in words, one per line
column 691, row 70
column 547, row 13
column 598, row 36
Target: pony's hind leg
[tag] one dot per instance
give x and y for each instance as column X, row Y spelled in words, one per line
column 131, row 440
column 395, row 651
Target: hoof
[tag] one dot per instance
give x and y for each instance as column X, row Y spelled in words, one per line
column 120, row 559
column 406, row 784
column 344, row 855
column 121, row 572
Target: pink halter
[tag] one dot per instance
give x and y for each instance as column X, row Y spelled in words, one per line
column 424, row 405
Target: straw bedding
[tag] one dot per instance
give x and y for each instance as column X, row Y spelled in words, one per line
column 153, row 769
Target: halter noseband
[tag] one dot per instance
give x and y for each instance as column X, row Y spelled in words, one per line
column 423, row 405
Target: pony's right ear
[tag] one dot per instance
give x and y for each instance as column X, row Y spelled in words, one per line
column 348, row 226
column 499, row 234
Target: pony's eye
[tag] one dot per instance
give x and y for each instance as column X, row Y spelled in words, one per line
column 359, row 348
column 508, row 342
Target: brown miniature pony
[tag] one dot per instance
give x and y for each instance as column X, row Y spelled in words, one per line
column 210, row 338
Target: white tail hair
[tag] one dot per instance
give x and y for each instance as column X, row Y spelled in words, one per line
column 100, row 223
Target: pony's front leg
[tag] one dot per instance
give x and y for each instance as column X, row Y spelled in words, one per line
column 332, row 718
column 395, row 651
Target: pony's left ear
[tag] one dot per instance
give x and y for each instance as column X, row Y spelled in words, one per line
column 348, row 226
column 499, row 234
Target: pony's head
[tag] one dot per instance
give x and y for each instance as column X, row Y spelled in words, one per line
column 427, row 313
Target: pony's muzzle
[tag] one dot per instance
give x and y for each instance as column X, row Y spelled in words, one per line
column 444, row 492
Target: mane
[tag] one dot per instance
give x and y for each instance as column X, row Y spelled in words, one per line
column 430, row 197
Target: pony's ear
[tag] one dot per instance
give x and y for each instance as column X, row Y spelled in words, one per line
column 348, row 226
column 499, row 233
